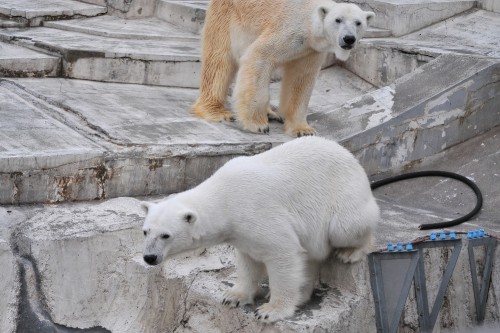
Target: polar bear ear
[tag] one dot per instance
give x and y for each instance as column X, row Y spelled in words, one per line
column 322, row 12
column 190, row 217
column 146, row 206
column 369, row 16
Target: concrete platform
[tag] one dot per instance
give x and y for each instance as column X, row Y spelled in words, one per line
column 473, row 33
column 114, row 27
column 91, row 57
column 144, row 141
column 16, row 61
column 401, row 17
column 189, row 15
column 34, row 12
column 137, row 131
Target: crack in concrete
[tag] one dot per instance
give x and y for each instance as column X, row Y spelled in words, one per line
column 38, row 100
column 185, row 320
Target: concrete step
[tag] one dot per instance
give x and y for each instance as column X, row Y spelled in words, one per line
column 127, row 8
column 165, row 62
column 114, row 27
column 475, row 32
column 404, row 16
column 143, row 141
column 106, row 239
column 190, row 15
column 131, row 133
column 16, row 61
column 34, row 12
column 491, row 5
column 382, row 60
column 6, row 22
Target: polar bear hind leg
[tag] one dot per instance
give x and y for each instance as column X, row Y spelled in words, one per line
column 250, row 273
column 297, row 85
column 352, row 235
column 218, row 66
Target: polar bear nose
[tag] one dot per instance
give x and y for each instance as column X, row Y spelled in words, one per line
column 150, row 259
column 349, row 39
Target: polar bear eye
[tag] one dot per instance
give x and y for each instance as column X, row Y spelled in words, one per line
column 145, row 233
column 358, row 23
column 338, row 20
column 165, row 236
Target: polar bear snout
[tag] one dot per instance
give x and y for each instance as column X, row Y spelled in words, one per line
column 348, row 42
column 151, row 259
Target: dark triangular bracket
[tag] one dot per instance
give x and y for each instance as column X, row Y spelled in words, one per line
column 481, row 291
column 386, row 270
column 427, row 319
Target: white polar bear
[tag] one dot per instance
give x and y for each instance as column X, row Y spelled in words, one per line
column 254, row 38
column 283, row 210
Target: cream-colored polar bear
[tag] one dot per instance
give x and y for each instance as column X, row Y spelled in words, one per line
column 284, row 211
column 259, row 36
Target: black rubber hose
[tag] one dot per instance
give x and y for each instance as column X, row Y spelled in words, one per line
column 446, row 174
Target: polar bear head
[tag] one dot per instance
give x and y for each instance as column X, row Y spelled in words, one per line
column 337, row 27
column 169, row 228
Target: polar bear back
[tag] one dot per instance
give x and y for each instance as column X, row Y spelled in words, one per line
column 305, row 189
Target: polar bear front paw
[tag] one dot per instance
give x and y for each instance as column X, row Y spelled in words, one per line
column 255, row 124
column 257, row 128
column 212, row 113
column 269, row 313
column 234, row 298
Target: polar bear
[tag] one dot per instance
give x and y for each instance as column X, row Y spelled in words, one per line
column 259, row 36
column 283, row 210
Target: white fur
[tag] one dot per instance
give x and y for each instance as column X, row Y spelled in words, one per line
column 284, row 211
column 328, row 34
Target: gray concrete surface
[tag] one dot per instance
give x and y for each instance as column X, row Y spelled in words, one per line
column 16, row 61
column 117, row 145
column 114, row 27
column 404, row 16
column 187, row 14
column 34, row 12
column 146, row 148
column 491, row 5
column 157, row 62
column 474, row 33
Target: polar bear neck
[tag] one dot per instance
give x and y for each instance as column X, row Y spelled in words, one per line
column 212, row 226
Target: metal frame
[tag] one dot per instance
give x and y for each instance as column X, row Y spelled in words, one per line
column 389, row 322
column 481, row 292
column 427, row 319
column 384, row 323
